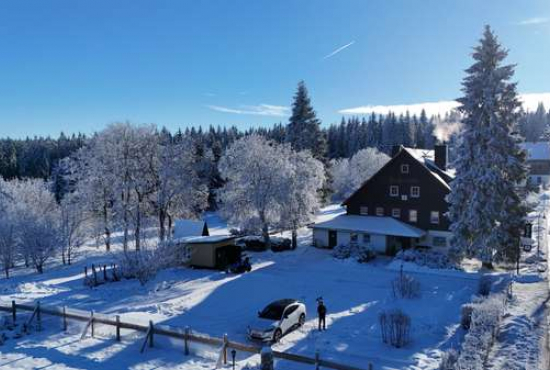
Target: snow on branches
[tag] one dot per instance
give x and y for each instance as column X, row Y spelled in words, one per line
column 268, row 185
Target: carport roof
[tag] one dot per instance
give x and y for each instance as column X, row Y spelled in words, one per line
column 371, row 225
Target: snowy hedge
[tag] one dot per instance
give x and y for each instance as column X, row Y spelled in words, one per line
column 482, row 317
column 429, row 258
column 360, row 253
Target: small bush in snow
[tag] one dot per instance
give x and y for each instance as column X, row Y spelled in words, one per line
column 395, row 327
column 484, row 287
column 449, row 360
column 466, row 315
column 429, row 258
column 405, row 286
column 361, row 253
column 342, row 251
column 145, row 263
column 365, row 254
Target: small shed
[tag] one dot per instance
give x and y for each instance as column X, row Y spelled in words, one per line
column 216, row 252
column 186, row 228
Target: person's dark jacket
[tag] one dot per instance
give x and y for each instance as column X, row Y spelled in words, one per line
column 322, row 310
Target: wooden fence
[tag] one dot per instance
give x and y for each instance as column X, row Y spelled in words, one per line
column 151, row 331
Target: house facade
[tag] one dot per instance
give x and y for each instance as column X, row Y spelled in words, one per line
column 401, row 206
column 538, row 160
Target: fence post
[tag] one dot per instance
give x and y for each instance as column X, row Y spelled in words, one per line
column 64, row 318
column 317, row 360
column 105, row 273
column 186, row 340
column 266, row 359
column 38, row 318
column 92, row 323
column 225, row 349
column 94, row 272
column 117, row 328
column 13, row 311
column 152, row 330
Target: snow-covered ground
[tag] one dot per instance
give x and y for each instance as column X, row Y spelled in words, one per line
column 522, row 341
column 215, row 303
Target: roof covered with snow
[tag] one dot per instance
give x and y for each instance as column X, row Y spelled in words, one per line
column 537, row 151
column 203, row 239
column 427, row 158
column 186, row 228
column 371, row 225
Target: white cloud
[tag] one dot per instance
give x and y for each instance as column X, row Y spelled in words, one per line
column 258, row 110
column 534, row 21
column 336, row 51
column 530, row 103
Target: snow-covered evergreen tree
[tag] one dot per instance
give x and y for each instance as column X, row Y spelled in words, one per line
column 304, row 128
column 486, row 207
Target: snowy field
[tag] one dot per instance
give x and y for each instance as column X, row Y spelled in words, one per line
column 216, row 303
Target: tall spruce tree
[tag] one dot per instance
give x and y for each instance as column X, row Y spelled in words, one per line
column 304, row 128
column 486, row 208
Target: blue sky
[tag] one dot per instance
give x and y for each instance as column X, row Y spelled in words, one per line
column 75, row 65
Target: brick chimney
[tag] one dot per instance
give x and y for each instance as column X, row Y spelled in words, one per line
column 441, row 156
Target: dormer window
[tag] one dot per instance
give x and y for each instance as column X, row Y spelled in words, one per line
column 404, row 168
column 394, row 190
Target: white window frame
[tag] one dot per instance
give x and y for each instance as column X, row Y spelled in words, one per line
column 415, row 213
column 434, row 217
column 396, row 212
column 392, row 192
column 415, row 191
column 405, row 168
column 364, row 210
column 380, row 211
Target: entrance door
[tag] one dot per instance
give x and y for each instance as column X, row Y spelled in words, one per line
column 332, row 238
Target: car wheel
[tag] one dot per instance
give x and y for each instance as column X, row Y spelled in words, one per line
column 277, row 335
column 302, row 320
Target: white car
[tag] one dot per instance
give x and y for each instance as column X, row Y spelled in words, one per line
column 277, row 319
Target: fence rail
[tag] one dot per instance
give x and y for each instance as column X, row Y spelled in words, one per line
column 150, row 330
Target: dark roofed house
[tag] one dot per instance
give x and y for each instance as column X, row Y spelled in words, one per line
column 402, row 205
column 538, row 160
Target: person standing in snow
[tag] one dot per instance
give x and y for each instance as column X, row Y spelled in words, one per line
column 322, row 313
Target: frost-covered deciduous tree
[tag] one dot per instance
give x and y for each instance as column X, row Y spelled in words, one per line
column 302, row 186
column 349, row 174
column 37, row 215
column 73, row 226
column 94, row 172
column 269, row 184
column 486, row 207
column 179, row 190
column 8, row 229
column 255, row 171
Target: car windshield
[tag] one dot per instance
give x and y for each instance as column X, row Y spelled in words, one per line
column 274, row 311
